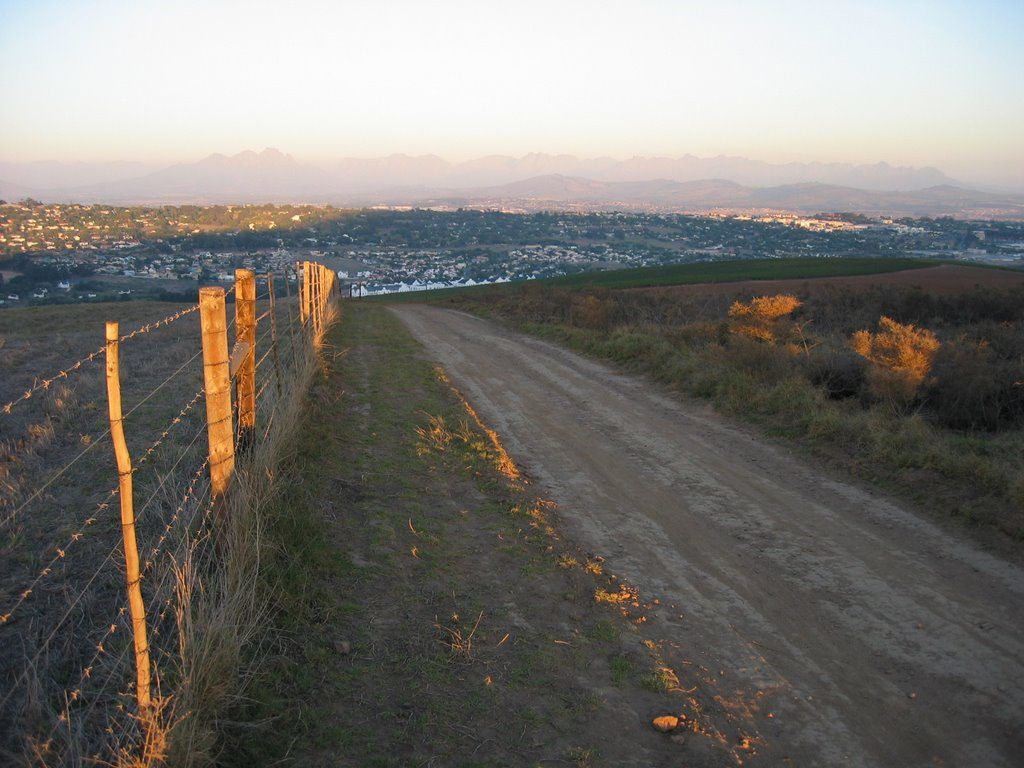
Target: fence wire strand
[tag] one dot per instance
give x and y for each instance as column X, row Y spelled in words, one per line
column 45, row 383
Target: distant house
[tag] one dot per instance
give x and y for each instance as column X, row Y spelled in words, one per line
column 64, row 285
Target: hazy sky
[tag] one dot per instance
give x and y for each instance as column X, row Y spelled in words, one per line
column 929, row 82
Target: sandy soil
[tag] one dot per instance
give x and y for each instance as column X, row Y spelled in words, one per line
column 835, row 627
column 945, row 279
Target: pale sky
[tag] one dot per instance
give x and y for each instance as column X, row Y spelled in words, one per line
column 910, row 82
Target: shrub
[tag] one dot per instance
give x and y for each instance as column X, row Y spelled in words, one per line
column 974, row 389
column 593, row 312
column 839, row 372
column 901, row 358
column 763, row 318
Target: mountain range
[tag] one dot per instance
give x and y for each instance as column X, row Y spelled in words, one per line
column 531, row 182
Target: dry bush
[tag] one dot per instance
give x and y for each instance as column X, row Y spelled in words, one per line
column 838, row 371
column 974, row 388
column 764, row 318
column 593, row 312
column 901, row 357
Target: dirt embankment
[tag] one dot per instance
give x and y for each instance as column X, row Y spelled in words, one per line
column 835, row 626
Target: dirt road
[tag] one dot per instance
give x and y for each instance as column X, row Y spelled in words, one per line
column 831, row 626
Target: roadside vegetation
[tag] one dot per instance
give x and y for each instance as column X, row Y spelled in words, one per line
column 920, row 393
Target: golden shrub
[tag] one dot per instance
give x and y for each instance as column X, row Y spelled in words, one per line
column 763, row 317
column 901, row 358
column 763, row 308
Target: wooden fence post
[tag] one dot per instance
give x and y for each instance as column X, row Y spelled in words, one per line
column 323, row 296
column 307, row 282
column 288, row 306
column 133, row 578
column 273, row 332
column 300, row 279
column 312, row 291
column 319, row 293
column 245, row 334
column 217, row 380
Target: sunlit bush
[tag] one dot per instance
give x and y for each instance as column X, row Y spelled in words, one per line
column 901, row 358
column 764, row 318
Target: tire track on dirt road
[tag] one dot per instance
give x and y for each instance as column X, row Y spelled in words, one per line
column 828, row 623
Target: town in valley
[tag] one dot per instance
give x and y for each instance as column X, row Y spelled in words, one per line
column 54, row 253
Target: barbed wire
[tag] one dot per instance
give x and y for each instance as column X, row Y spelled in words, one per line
column 169, row 525
column 61, row 552
column 85, row 589
column 46, row 643
column 157, row 324
column 94, row 442
column 76, row 691
column 159, row 596
column 173, row 423
column 168, row 474
column 167, row 604
column 269, row 349
column 45, row 383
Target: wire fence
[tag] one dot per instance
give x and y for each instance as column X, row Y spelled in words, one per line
column 92, row 602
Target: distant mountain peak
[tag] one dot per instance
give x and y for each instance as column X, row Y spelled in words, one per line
column 656, row 183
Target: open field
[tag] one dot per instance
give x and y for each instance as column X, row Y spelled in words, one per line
column 421, row 595
column 745, row 269
column 687, row 274
column 943, row 280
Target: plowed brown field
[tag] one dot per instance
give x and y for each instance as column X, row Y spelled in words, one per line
column 945, row 279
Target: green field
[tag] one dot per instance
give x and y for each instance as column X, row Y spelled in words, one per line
column 705, row 272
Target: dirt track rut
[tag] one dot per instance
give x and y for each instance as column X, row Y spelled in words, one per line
column 843, row 629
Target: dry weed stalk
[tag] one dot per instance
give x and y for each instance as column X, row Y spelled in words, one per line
column 456, row 642
column 435, row 436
